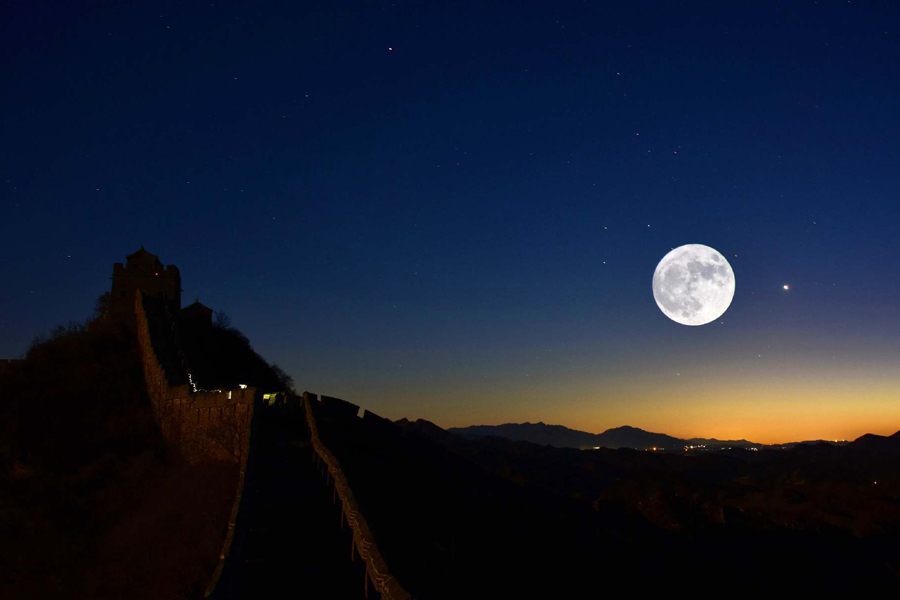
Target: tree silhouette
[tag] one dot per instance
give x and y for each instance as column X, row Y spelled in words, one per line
column 101, row 307
column 222, row 320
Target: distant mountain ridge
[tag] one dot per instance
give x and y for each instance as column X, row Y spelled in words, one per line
column 560, row 436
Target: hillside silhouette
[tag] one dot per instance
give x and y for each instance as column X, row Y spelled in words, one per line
column 491, row 517
column 221, row 357
column 809, row 518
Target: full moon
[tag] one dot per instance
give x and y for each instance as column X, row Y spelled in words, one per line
column 693, row 284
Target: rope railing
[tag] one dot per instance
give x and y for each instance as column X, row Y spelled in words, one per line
column 363, row 541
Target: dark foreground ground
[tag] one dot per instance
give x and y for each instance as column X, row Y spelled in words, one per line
column 135, row 528
column 458, row 518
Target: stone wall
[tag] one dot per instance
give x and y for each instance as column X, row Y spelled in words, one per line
column 203, row 426
column 364, row 543
column 210, row 425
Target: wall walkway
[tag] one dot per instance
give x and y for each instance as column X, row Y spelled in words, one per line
column 291, row 536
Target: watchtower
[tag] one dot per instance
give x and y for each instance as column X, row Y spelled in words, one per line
column 143, row 271
column 197, row 313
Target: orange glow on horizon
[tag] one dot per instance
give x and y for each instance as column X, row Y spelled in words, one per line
column 787, row 395
column 773, row 411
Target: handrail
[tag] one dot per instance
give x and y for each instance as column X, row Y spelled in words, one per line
column 376, row 567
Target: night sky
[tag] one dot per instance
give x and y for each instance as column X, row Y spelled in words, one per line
column 453, row 211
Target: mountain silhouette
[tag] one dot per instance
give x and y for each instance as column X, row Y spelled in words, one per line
column 625, row 436
column 557, row 436
column 877, row 448
column 560, row 436
column 632, row 437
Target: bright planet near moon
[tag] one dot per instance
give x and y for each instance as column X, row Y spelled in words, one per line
column 693, row 284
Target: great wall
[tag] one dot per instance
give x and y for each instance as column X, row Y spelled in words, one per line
column 329, row 501
column 255, row 431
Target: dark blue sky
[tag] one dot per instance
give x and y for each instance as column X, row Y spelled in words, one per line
column 453, row 210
